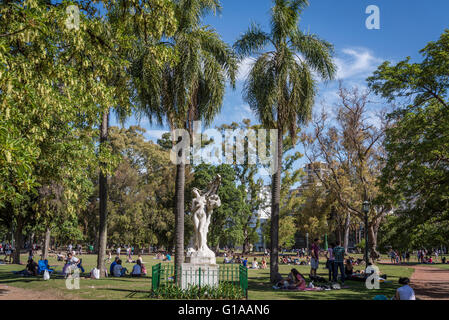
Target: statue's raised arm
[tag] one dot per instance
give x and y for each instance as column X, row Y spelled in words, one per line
column 212, row 188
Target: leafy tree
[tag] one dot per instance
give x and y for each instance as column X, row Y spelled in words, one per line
column 248, row 220
column 280, row 87
column 52, row 89
column 351, row 150
column 417, row 145
column 187, row 89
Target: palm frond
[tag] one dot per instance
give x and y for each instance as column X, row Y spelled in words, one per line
column 252, row 41
column 318, row 53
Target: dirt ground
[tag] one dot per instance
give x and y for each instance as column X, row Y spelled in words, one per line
column 430, row 283
column 12, row 293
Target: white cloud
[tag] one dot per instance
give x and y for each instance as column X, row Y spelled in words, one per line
column 154, row 134
column 244, row 68
column 356, row 62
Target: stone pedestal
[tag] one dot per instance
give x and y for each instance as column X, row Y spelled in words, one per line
column 199, row 274
column 201, row 257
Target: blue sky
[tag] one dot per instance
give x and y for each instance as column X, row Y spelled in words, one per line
column 406, row 26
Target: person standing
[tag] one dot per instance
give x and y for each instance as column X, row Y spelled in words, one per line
column 339, row 256
column 330, row 262
column 314, row 262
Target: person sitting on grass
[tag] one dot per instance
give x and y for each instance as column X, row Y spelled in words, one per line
column 264, row 263
column 119, row 270
column 32, row 269
column 349, row 269
column 137, row 269
column 255, row 264
column 167, row 257
column 298, row 282
column 307, row 260
column 60, row 256
column 111, row 268
column 405, row 292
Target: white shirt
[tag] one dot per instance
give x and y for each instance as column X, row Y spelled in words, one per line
column 74, row 260
column 117, row 270
column 406, row 293
column 255, row 265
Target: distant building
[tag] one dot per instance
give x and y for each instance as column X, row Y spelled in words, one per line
column 263, row 215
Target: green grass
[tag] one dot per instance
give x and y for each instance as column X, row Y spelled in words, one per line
column 139, row 288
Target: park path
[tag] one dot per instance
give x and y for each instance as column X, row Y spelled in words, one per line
column 13, row 293
column 430, row 283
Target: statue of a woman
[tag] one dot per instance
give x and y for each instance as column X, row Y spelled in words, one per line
column 202, row 208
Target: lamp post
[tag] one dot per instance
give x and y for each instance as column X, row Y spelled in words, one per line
column 365, row 208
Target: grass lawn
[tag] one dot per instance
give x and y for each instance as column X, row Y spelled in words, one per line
column 139, row 288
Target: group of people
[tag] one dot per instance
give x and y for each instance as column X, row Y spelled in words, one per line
column 7, row 250
column 116, row 268
column 163, row 256
column 292, row 260
column 399, row 257
column 294, row 281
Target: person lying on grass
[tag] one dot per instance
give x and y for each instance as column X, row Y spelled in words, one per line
column 32, row 269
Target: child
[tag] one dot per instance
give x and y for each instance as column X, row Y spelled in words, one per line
column 255, row 264
column 264, row 263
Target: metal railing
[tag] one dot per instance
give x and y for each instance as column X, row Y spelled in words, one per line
column 226, row 281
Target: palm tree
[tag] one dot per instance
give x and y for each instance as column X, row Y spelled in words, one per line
column 185, row 90
column 280, row 88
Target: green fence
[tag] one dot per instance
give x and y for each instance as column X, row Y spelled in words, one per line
column 228, row 281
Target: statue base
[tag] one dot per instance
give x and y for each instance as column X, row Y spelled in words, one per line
column 197, row 274
column 201, row 257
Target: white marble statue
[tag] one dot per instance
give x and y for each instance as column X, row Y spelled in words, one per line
column 203, row 204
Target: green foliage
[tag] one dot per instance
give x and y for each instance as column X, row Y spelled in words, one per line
column 417, row 145
column 225, row 290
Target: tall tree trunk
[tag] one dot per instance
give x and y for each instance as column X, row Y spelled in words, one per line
column 103, row 190
column 339, row 233
column 179, row 215
column 46, row 244
column 18, row 239
column 275, row 203
column 372, row 236
column 245, row 242
column 347, row 225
